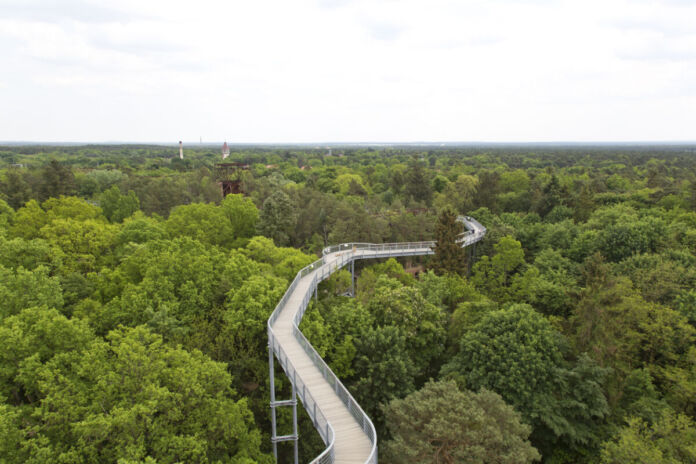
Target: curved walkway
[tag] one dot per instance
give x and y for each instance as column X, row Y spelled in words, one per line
column 344, row 427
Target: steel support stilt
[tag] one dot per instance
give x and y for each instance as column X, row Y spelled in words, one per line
column 273, row 411
column 352, row 278
column 294, row 422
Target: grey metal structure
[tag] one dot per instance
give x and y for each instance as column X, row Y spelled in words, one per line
column 344, row 427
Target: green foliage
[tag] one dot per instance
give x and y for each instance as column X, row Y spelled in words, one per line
column 85, row 244
column 417, row 185
column 6, row 217
column 241, row 214
column 21, row 288
column 56, row 179
column 71, row 271
column 28, row 341
column 517, row 353
column 449, row 257
column 134, row 397
column 205, row 223
column 30, row 254
column 278, row 217
column 671, row 440
column 383, row 369
column 28, row 221
column 166, row 284
column 141, row 229
column 117, row 206
column 421, row 322
column 495, row 275
column 439, row 423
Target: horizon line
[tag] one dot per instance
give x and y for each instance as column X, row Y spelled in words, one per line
column 327, row 144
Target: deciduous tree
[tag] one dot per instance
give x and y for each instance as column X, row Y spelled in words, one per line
column 440, row 423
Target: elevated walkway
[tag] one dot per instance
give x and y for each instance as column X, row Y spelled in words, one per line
column 344, row 427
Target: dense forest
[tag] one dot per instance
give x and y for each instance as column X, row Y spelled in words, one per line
column 134, row 300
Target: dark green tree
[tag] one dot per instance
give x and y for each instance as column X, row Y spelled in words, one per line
column 56, row 180
column 449, row 257
column 16, row 189
column 417, row 185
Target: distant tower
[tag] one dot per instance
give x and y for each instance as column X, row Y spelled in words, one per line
column 225, row 150
column 181, row 150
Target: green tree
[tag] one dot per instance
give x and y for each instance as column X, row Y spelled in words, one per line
column 117, row 206
column 616, row 327
column 165, row 284
column 21, row 288
column 56, row 180
column 29, row 220
column 440, row 423
column 6, row 217
column 487, row 190
column 458, row 195
column 383, row 370
column 134, row 397
column 519, row 355
column 71, row 208
column 206, row 223
column 16, row 189
column 278, row 217
column 552, row 196
column 11, row 434
column 30, row 254
column 421, row 322
column 449, row 257
column 495, row 275
column 30, row 339
column 85, row 244
column 242, row 215
column 671, row 440
column 416, row 184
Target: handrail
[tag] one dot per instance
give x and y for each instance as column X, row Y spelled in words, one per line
column 323, row 268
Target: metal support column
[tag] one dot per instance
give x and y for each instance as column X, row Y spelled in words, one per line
column 352, row 278
column 316, row 293
column 274, row 404
column 294, row 421
column 273, row 411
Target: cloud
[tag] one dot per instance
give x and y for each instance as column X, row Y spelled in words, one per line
column 75, row 10
column 312, row 70
column 334, row 3
column 382, row 30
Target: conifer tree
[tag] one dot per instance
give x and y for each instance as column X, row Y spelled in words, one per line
column 450, row 257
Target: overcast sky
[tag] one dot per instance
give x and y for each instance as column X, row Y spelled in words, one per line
column 347, row 70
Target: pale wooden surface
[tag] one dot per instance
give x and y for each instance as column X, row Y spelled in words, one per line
column 352, row 444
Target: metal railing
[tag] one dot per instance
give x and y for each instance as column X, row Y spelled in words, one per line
column 334, row 258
